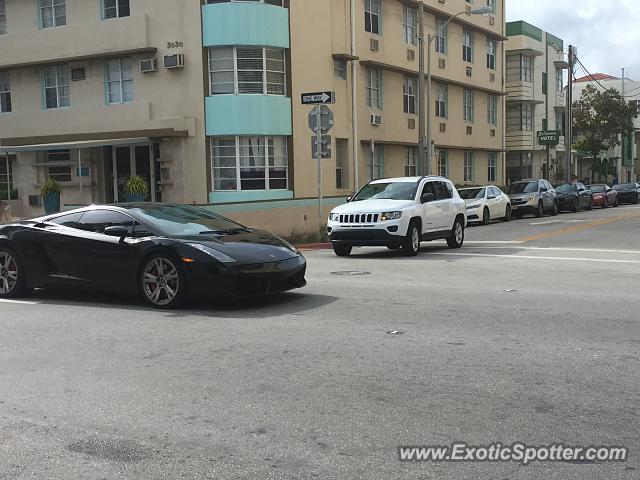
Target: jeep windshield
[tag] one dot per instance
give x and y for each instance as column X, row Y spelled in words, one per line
column 387, row 191
column 523, row 187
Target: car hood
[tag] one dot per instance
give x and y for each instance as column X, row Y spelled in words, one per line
column 373, row 206
column 249, row 248
column 521, row 196
column 565, row 194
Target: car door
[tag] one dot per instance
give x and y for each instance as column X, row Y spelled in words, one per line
column 584, row 198
column 108, row 263
column 430, row 210
column 446, row 214
column 493, row 202
column 551, row 194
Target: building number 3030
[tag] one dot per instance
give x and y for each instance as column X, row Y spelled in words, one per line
column 175, row 44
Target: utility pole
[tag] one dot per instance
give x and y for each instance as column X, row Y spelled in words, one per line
column 422, row 163
column 569, row 120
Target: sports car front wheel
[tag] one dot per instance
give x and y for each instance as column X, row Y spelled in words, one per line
column 162, row 282
column 11, row 274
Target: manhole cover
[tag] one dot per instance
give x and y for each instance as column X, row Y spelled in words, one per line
column 350, row 273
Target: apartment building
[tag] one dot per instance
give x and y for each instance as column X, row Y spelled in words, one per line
column 202, row 98
column 535, row 87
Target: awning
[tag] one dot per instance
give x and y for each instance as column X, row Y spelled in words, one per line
column 43, row 147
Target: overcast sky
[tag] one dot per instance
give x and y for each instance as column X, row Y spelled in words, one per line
column 605, row 32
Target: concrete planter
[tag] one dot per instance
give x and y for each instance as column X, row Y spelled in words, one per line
column 51, row 203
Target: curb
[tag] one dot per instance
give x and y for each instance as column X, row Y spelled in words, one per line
column 314, row 246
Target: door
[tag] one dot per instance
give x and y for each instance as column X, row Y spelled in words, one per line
column 583, row 196
column 430, row 210
column 494, row 202
column 443, row 203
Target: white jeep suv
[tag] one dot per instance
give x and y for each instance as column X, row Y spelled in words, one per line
column 399, row 213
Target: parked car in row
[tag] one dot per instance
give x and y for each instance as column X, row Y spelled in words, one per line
column 485, row 204
column 399, row 213
column 628, row 192
column 535, row 197
column 604, row 196
column 573, row 197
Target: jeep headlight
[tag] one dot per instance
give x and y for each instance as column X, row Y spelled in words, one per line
column 334, row 217
column 390, row 216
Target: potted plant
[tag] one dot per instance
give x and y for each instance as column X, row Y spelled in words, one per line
column 50, row 192
column 136, row 189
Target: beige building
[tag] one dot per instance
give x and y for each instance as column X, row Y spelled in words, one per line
column 535, row 86
column 225, row 125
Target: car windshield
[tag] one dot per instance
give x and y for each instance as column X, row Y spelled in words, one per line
column 523, row 187
column 566, row 188
column 471, row 193
column 387, row 191
column 185, row 220
column 625, row 186
column 598, row 188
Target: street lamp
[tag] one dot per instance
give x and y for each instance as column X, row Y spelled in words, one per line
column 426, row 143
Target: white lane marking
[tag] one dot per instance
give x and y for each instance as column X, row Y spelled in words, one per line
column 530, row 257
column 577, row 221
column 560, row 249
column 548, row 222
column 18, row 302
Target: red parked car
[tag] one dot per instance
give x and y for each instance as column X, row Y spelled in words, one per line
column 604, row 196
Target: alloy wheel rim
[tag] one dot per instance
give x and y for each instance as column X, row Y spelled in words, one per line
column 8, row 273
column 459, row 233
column 415, row 239
column 161, row 281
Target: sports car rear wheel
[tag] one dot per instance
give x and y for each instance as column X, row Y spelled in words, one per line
column 11, row 275
column 162, row 282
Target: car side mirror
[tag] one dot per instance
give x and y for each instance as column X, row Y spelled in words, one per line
column 349, row 199
column 427, row 197
column 117, row 231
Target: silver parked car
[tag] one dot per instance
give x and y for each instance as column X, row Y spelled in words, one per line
column 533, row 196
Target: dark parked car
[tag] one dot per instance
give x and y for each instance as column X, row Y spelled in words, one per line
column 532, row 196
column 628, row 192
column 163, row 252
column 573, row 197
column 604, row 196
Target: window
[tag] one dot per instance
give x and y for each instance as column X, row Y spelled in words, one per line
column 244, row 70
column 342, row 162
column 491, row 167
column 3, row 17
column 98, row 220
column 411, row 162
column 116, row 9
column 372, row 16
column 410, row 24
column 120, row 80
column 492, row 109
column 5, row 92
column 409, row 94
column 250, row 163
column 526, row 117
column 340, row 69
column 525, row 68
column 60, row 173
column 71, row 220
column 269, row 2
column 442, row 163
column 468, row 166
column 6, row 181
column 441, row 36
column 468, row 105
column 53, row 13
column 442, row 191
column 56, row 87
column 559, row 80
column 373, row 87
column 491, row 54
column 560, row 122
column 492, row 4
column 442, row 99
column 467, row 46
column 376, row 163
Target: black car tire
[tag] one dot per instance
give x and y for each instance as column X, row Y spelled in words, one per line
column 637, row 200
column 555, row 210
column 170, row 284
column 616, row 204
column 456, row 237
column 486, row 216
column 540, row 210
column 590, row 206
column 409, row 247
column 10, row 267
column 342, row 250
column 605, row 205
column 575, row 206
column 507, row 214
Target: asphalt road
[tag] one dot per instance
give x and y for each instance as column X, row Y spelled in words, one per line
column 529, row 333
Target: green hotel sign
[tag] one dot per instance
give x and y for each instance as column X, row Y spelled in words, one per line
column 549, row 137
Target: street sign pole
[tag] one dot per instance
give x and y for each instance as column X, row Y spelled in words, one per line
column 319, row 160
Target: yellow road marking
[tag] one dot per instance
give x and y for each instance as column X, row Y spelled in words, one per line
column 577, row 228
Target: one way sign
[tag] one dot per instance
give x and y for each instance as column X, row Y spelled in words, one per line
column 316, row 98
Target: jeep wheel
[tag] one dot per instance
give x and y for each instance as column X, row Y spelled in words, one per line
column 342, row 250
column 411, row 245
column 456, row 238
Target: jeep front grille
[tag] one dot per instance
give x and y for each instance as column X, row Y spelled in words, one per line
column 360, row 218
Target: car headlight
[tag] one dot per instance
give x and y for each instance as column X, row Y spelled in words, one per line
column 212, row 252
column 473, row 207
column 334, row 217
column 390, row 216
column 531, row 198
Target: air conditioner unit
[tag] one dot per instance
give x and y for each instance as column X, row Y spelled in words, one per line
column 374, row 45
column 492, row 77
column 469, row 71
column 411, row 55
column 443, row 127
column 492, row 20
column 441, row 1
column 78, row 74
column 376, row 119
column 469, row 130
column 411, row 123
column 149, row 65
column 442, row 63
column 174, row 61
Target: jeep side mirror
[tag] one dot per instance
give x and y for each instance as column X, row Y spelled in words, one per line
column 349, row 199
column 427, row 197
